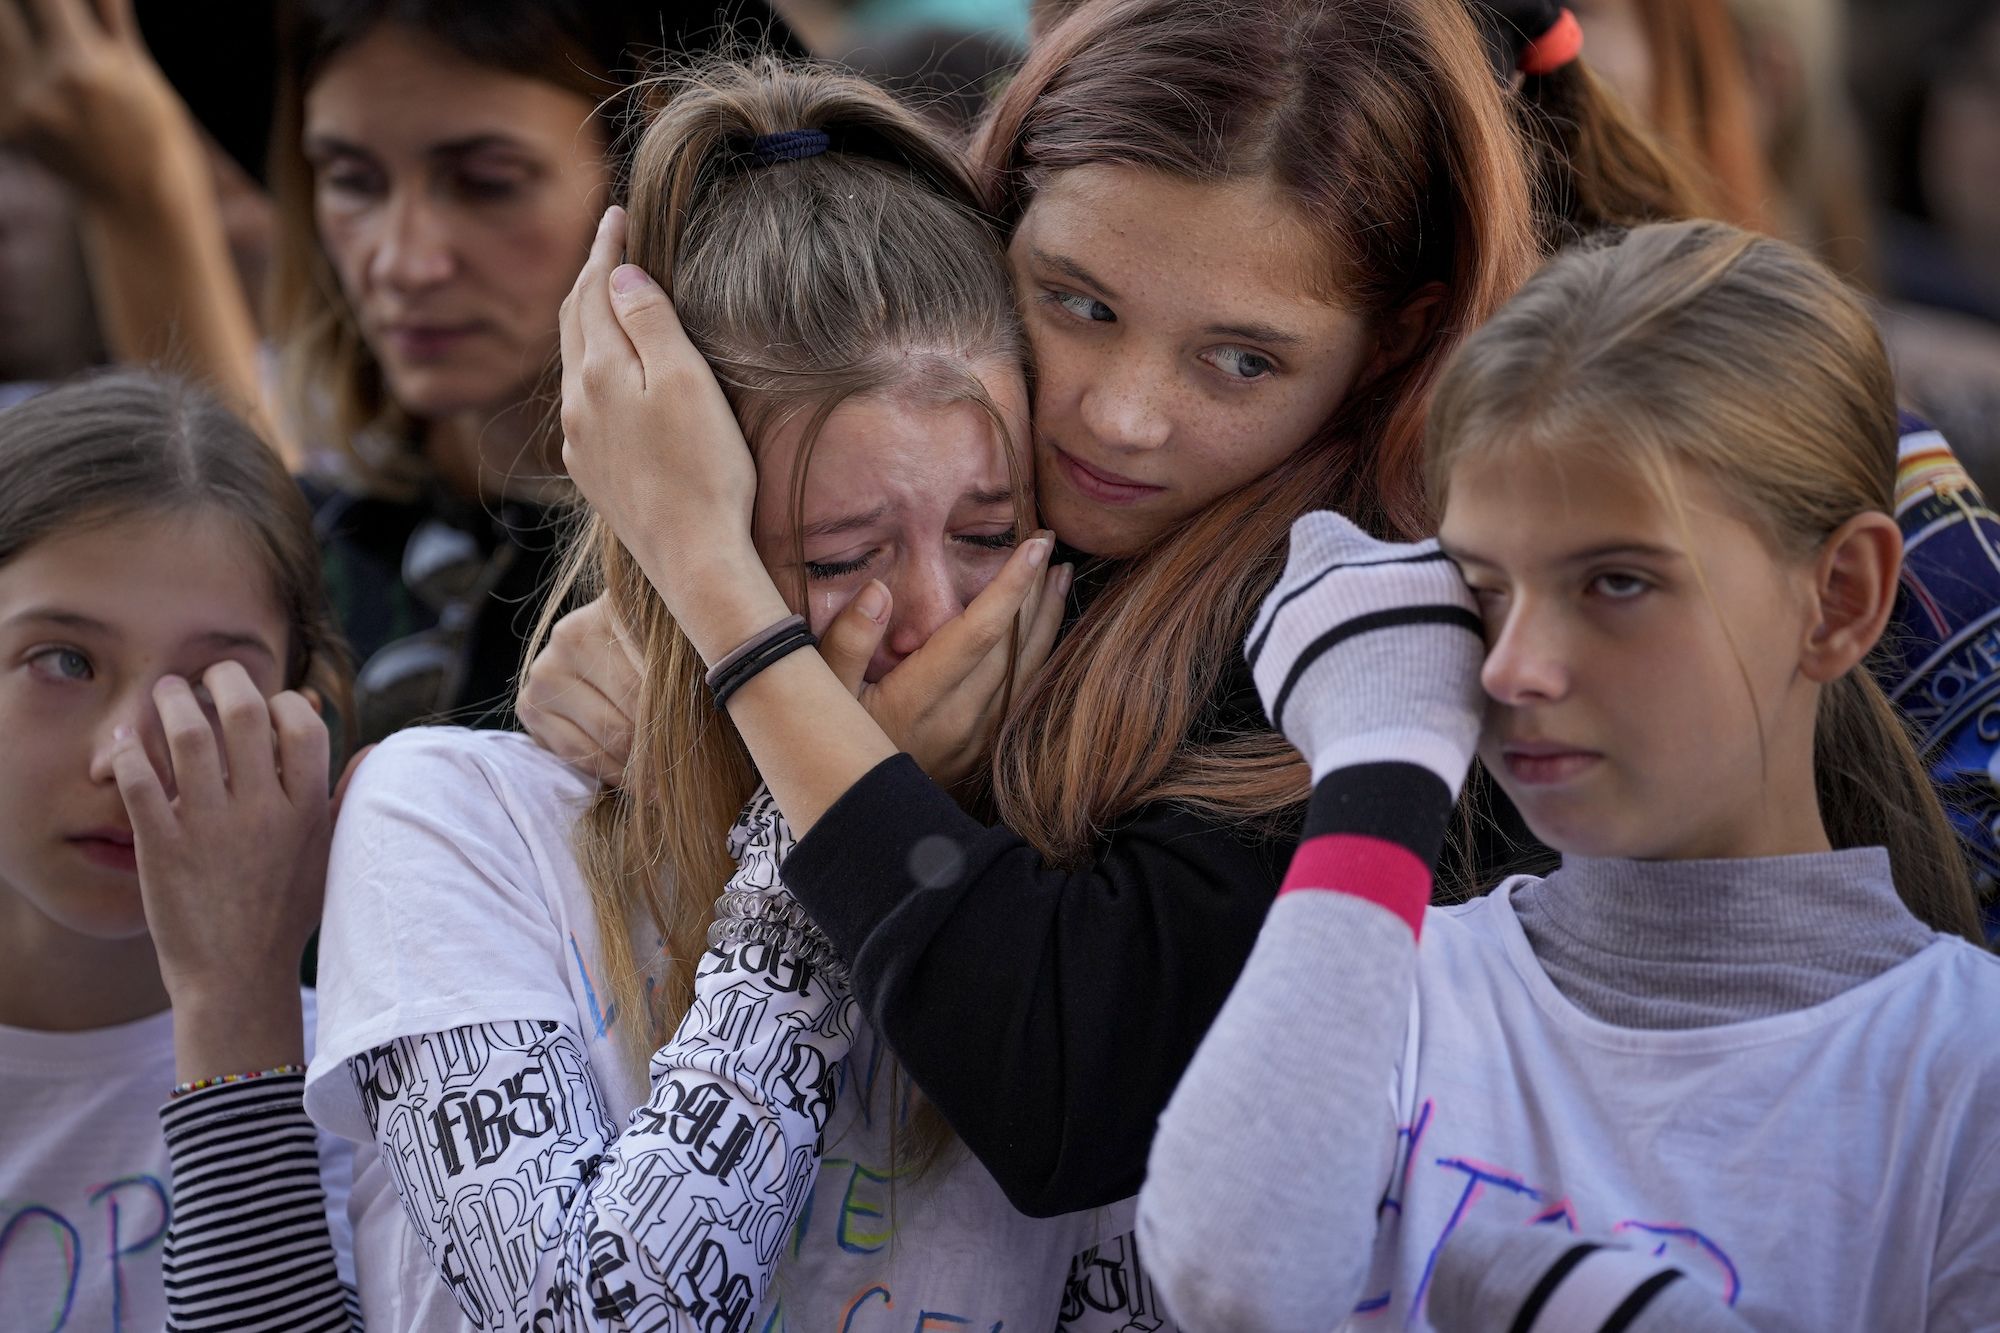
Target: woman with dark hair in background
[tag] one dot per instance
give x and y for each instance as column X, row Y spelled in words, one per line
column 438, row 167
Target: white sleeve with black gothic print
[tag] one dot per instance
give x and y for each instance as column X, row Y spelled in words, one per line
column 1108, row 1290
column 537, row 1214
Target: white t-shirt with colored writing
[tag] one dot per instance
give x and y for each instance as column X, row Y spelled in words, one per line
column 1764, row 1158
column 85, row 1189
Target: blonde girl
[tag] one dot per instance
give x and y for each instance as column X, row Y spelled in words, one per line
column 1722, row 1040
column 506, row 945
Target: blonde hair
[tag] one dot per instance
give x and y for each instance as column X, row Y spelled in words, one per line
column 865, row 270
column 1381, row 123
column 1704, row 346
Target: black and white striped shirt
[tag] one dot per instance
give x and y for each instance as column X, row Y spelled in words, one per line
column 249, row 1246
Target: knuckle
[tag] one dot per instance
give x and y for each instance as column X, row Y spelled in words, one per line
column 237, row 711
column 188, row 734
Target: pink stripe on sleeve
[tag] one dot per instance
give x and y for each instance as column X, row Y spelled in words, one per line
column 1380, row 872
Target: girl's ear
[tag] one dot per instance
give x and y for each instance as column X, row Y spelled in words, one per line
column 1855, row 584
column 1404, row 329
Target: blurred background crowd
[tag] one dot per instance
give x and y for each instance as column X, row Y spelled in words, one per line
column 1866, row 129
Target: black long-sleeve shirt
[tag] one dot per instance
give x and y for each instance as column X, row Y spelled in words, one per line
column 1048, row 1013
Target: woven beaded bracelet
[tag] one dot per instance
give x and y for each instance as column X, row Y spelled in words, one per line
column 196, row 1085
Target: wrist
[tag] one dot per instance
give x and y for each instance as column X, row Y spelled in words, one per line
column 238, row 1027
column 159, row 166
column 720, row 600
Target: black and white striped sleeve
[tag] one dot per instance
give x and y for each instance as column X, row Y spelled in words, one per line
column 248, row 1246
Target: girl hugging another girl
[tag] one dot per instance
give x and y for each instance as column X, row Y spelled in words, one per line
column 505, row 946
column 1711, row 1073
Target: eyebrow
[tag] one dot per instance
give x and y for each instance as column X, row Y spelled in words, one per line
column 833, row 527
column 1064, row 264
column 327, row 145
column 1257, row 333
column 221, row 639
column 1606, row 551
column 983, row 499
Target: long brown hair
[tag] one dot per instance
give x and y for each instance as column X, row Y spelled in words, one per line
column 1702, row 106
column 1597, row 165
column 865, row 270
column 1742, row 357
column 1383, row 125
column 127, row 443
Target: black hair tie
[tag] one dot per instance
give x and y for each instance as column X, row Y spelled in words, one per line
column 788, row 146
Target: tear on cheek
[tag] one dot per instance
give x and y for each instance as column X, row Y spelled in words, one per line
column 823, row 607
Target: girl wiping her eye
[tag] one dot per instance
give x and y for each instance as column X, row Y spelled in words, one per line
column 165, row 645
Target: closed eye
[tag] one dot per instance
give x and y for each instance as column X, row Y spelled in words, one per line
column 992, row 541
column 835, row 569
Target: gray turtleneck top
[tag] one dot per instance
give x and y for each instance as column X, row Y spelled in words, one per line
column 1685, row 944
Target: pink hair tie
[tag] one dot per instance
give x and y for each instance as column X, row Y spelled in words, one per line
column 1562, row 43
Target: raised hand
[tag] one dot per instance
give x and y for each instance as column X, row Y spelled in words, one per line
column 650, row 440
column 80, row 92
column 232, row 865
column 1368, row 650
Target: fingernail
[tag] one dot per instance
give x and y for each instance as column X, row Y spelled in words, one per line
column 1065, row 575
column 627, row 278
column 1038, row 551
column 873, row 600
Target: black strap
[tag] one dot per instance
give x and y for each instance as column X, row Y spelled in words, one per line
column 740, row 673
column 1642, row 1296
column 1531, row 1309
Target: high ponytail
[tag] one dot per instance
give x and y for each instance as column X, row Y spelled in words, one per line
column 860, row 267
column 1595, row 165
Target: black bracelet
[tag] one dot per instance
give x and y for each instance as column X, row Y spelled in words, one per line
column 741, row 667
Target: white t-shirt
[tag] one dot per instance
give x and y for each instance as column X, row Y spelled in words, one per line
column 1515, row 1106
column 454, row 899
column 85, row 1189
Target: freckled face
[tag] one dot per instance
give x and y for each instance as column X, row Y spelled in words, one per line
column 1179, row 350
column 89, row 621
column 915, row 494
column 456, row 203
